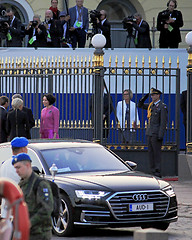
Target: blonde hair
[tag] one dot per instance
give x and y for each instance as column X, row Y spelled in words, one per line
column 16, row 103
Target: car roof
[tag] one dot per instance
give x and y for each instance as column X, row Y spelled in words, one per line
column 43, row 144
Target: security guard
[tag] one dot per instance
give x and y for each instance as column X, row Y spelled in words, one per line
column 40, row 202
column 157, row 122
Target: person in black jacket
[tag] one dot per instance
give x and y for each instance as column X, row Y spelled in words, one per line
column 54, row 30
column 4, row 103
column 104, row 27
column 142, row 36
column 168, row 23
column 157, row 121
column 29, row 113
column 37, row 33
column 14, row 30
column 17, row 120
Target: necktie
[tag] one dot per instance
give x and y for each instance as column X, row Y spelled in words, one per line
column 127, row 116
column 79, row 14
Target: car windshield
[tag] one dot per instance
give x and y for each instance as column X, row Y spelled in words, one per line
column 82, row 159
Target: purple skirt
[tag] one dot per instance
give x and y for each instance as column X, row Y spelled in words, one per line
column 48, row 134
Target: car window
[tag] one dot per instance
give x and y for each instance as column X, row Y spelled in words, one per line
column 82, row 159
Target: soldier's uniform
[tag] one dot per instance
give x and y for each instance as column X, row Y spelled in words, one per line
column 40, row 205
column 157, row 122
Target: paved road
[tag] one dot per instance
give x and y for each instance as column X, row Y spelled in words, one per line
column 181, row 230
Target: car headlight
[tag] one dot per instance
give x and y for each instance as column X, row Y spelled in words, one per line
column 169, row 191
column 90, row 194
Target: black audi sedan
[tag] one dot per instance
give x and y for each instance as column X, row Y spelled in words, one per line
column 98, row 188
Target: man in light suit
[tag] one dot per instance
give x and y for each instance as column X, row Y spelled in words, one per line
column 79, row 24
column 127, row 115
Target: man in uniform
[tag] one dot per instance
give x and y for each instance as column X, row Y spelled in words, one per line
column 18, row 145
column 157, row 122
column 39, row 201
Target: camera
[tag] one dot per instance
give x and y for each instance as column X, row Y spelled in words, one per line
column 34, row 23
column 164, row 16
column 94, row 14
column 3, row 20
column 127, row 25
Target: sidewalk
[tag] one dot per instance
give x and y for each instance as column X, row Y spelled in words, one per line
column 181, row 230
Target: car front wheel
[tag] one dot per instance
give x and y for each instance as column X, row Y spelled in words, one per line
column 63, row 225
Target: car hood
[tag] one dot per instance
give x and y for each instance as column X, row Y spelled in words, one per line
column 112, row 181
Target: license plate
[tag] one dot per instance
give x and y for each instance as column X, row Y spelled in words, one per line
column 140, row 207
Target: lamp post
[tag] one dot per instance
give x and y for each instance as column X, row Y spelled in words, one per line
column 98, row 41
column 188, row 40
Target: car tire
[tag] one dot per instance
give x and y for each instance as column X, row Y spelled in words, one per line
column 63, row 226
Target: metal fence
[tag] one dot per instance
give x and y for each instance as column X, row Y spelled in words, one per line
column 78, row 86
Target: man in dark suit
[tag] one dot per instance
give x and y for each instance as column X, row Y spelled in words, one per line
column 142, row 36
column 168, row 23
column 107, row 109
column 14, row 30
column 54, row 30
column 29, row 113
column 157, row 121
column 103, row 26
column 4, row 103
column 37, row 33
column 79, row 24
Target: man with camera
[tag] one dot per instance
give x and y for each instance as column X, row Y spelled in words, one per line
column 142, row 36
column 54, row 30
column 103, row 27
column 168, row 23
column 13, row 25
column 37, row 33
column 79, row 24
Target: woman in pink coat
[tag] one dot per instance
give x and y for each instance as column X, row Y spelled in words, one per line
column 49, row 126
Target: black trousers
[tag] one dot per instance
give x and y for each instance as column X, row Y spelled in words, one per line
column 154, row 149
column 78, row 36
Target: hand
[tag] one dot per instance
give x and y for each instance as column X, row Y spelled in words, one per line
column 144, row 98
column 171, row 20
column 166, row 26
column 71, row 29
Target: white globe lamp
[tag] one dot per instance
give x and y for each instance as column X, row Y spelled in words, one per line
column 98, row 41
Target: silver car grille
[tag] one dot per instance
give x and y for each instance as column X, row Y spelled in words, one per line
column 119, row 205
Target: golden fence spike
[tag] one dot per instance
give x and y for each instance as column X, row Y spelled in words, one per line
column 75, row 124
column 123, row 61
column 125, row 123
column 105, row 124
column 87, row 125
column 112, row 124
column 60, row 123
column 83, row 124
column 9, row 62
column 156, row 62
column 116, row 61
column 129, row 61
column 74, row 61
column 143, row 62
column 64, row 124
column 163, row 62
column 110, row 61
column 81, row 61
column 68, row 124
column 178, row 62
column 67, row 62
column 85, row 61
column 132, row 124
column 169, row 62
column 90, row 124
column 136, row 62
column 79, row 124
column 12, row 62
column 139, row 124
column 89, row 61
column 77, row 61
column 59, row 61
column 172, row 125
column 63, row 61
column 145, row 123
column 48, row 62
column 71, row 123
column 39, row 122
column 149, row 61
column 6, row 62
column 118, row 124
column 70, row 61
column 52, row 61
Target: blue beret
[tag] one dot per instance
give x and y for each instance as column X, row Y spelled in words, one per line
column 20, row 157
column 19, row 142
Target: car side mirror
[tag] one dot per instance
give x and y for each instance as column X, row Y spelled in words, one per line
column 133, row 165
